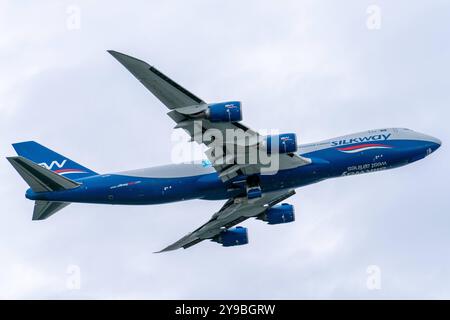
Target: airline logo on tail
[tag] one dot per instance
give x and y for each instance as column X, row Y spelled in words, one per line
column 59, row 167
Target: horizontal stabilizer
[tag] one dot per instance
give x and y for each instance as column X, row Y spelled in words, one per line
column 40, row 179
column 44, row 209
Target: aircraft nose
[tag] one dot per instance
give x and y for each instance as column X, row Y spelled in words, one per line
column 437, row 141
column 432, row 143
column 425, row 146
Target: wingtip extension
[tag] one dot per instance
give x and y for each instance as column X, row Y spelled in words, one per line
column 163, row 250
column 125, row 59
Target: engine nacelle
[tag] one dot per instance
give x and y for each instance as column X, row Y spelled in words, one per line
column 281, row 143
column 281, row 213
column 254, row 192
column 232, row 237
column 230, row 111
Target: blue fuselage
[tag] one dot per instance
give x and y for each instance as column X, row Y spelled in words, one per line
column 354, row 154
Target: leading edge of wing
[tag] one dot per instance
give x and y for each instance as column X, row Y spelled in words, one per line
column 170, row 93
column 185, row 242
column 234, row 211
column 182, row 243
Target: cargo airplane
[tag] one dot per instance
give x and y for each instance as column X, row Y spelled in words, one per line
column 249, row 189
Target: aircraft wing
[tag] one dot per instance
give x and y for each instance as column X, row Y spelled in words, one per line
column 184, row 108
column 171, row 94
column 233, row 212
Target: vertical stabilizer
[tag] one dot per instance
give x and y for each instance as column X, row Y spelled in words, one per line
column 52, row 160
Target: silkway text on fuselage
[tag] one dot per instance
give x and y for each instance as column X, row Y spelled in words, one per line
column 376, row 137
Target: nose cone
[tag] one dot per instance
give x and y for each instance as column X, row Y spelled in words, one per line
column 423, row 145
column 433, row 143
column 437, row 141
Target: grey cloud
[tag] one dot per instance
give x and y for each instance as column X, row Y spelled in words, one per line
column 307, row 67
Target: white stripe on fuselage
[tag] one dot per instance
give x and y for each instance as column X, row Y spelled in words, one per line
column 196, row 169
column 378, row 135
column 171, row 171
column 363, row 149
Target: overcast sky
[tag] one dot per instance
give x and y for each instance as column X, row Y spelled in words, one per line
column 318, row 68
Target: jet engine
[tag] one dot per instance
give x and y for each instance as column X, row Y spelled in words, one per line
column 281, row 213
column 232, row 237
column 281, row 143
column 224, row 112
